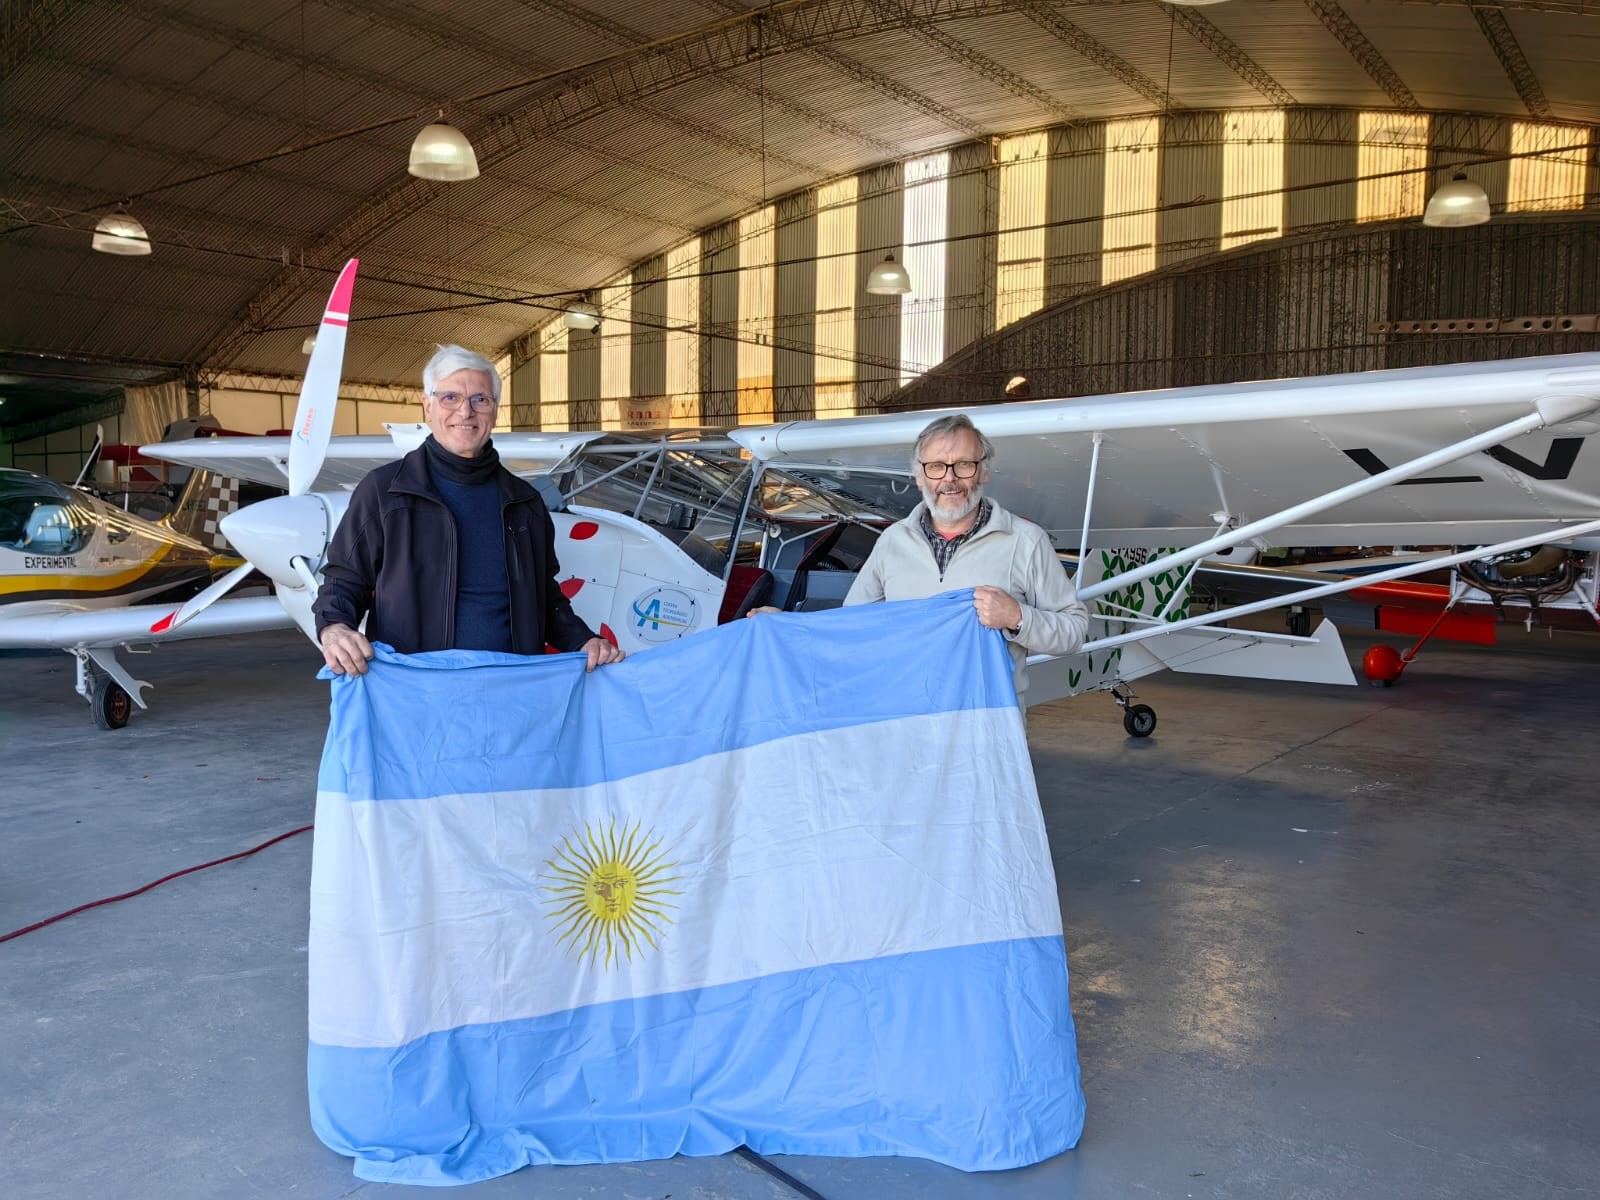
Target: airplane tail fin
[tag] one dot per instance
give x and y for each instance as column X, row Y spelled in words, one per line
column 206, row 499
column 91, row 460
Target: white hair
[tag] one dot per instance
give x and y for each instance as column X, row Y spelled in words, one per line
column 447, row 360
column 953, row 423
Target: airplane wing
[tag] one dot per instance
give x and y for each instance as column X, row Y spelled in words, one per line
column 1175, row 464
column 64, row 625
column 265, row 459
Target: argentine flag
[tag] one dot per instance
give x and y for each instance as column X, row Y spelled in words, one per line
column 784, row 884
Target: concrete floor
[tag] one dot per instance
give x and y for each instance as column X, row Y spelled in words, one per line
column 1324, row 942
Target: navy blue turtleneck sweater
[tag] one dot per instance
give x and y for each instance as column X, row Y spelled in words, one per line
column 483, row 604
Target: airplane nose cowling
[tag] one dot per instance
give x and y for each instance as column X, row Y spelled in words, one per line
column 273, row 532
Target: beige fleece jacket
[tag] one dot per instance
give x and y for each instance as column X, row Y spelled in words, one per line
column 1008, row 553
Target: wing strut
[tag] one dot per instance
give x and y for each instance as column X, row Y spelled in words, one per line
column 1343, row 585
column 1560, row 409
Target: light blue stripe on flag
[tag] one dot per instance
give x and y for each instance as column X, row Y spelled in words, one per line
column 783, row 884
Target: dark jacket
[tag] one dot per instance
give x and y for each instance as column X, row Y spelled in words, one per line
column 394, row 560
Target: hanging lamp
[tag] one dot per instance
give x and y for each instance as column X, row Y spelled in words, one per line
column 1459, row 202
column 442, row 152
column 119, row 233
column 888, row 278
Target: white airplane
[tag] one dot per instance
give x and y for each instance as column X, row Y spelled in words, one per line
column 661, row 536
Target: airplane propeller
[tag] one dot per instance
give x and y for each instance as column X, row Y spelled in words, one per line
column 308, row 446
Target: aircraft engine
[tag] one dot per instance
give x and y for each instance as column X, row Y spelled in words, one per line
column 1534, row 575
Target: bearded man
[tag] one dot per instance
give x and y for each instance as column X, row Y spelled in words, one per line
column 958, row 538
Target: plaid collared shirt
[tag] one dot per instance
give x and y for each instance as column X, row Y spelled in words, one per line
column 944, row 549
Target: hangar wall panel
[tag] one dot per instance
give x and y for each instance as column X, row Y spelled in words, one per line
column 1306, row 306
column 1125, row 208
column 880, row 225
column 794, row 328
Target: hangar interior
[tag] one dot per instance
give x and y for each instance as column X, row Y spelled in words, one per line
column 681, row 216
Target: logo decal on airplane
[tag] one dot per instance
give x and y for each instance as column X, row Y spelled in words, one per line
column 1558, row 463
column 662, row 614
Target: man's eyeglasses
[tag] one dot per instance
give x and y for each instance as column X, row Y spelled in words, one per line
column 452, row 401
column 964, row 468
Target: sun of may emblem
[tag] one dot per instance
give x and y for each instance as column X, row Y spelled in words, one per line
column 609, row 892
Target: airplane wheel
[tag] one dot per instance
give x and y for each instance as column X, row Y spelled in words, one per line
column 110, row 705
column 1139, row 720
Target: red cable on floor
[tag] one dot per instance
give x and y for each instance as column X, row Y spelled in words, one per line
column 216, row 862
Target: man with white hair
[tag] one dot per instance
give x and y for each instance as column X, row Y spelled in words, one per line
column 446, row 549
column 958, row 538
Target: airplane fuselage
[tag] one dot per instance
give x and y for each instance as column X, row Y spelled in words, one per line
column 61, row 544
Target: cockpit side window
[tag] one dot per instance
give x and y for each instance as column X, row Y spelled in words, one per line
column 41, row 517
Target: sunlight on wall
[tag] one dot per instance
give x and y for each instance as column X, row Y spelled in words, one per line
column 1392, row 142
column 926, row 220
column 1252, row 161
column 757, row 243
column 1133, row 164
column 1019, row 277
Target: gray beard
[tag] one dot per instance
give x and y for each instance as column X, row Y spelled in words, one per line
column 939, row 513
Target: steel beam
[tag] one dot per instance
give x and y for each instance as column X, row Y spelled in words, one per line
column 1349, row 35
column 1240, row 63
column 1102, row 56
column 928, row 32
column 1497, row 31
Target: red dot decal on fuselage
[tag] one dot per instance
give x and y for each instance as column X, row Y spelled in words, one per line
column 571, row 587
column 605, row 632
column 584, row 530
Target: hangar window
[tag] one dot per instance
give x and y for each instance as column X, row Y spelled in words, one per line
column 836, row 299
column 1392, row 161
column 1549, row 181
column 1252, row 177
column 756, row 254
column 554, row 412
column 1133, row 164
column 616, row 348
column 1019, row 279
column 925, row 225
column 683, row 332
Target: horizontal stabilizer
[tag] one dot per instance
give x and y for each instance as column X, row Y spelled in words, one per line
column 1243, row 654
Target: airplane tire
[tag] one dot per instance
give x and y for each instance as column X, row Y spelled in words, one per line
column 110, row 705
column 1139, row 720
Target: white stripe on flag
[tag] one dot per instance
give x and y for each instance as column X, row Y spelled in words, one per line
column 840, row 847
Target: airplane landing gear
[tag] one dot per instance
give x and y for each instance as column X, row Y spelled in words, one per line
column 110, row 690
column 1138, row 719
column 109, row 704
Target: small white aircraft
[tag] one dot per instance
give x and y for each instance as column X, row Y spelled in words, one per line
column 660, row 536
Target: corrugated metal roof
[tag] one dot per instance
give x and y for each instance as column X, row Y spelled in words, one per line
column 113, row 101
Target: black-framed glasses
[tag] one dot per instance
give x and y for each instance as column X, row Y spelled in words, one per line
column 962, row 468
column 452, row 400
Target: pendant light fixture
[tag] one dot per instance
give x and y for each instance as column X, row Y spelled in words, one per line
column 442, row 152
column 889, row 278
column 580, row 314
column 1459, row 202
column 119, row 233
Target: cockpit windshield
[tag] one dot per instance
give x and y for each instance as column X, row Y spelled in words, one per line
column 694, row 487
column 41, row 516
